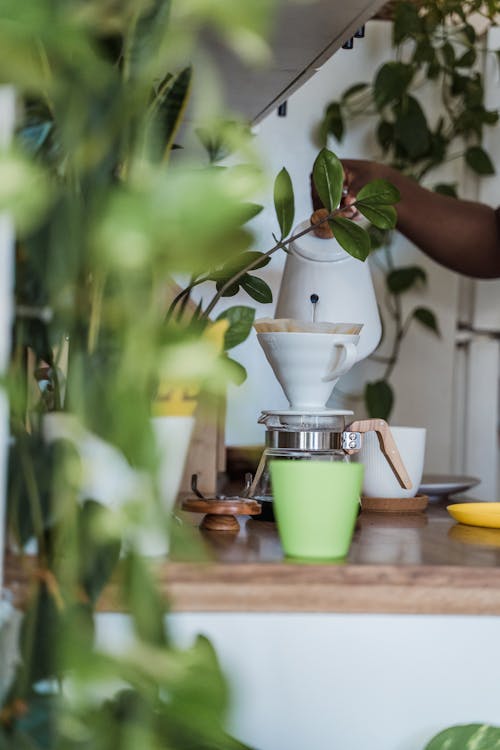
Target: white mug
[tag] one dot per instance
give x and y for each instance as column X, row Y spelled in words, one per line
column 379, row 479
column 308, row 365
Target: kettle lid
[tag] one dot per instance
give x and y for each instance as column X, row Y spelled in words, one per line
column 311, row 247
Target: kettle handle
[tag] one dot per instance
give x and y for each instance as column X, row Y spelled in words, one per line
column 349, row 359
column 387, row 446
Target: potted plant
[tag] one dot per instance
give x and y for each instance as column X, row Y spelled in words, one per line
column 111, row 220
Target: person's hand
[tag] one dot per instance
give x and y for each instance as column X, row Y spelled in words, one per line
column 357, row 173
column 346, row 204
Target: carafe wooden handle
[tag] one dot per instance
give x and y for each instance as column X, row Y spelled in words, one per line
column 387, row 446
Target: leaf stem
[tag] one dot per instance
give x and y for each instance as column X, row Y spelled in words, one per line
column 281, row 244
column 185, row 293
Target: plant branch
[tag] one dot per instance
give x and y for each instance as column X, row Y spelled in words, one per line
column 281, row 244
column 185, row 293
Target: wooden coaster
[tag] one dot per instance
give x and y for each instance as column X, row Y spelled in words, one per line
column 415, row 504
column 221, row 513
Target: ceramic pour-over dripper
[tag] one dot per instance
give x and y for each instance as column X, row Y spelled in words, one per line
column 308, row 365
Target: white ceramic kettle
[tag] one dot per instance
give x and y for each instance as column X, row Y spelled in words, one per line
column 323, row 282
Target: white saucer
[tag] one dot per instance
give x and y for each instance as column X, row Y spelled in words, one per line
column 441, row 485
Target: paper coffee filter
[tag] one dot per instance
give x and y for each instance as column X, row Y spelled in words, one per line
column 273, row 325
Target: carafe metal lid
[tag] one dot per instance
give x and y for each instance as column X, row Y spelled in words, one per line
column 308, row 412
column 295, row 420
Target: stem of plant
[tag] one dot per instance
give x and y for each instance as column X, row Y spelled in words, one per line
column 282, row 244
column 183, row 293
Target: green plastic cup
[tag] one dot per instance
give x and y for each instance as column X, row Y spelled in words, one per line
column 315, row 505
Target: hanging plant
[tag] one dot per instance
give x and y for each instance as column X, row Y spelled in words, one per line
column 434, row 42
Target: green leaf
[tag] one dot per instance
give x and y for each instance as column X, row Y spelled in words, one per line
column 378, row 237
column 240, row 324
column 391, row 83
column 444, row 188
column 328, row 178
column 385, row 134
column 41, row 624
column 424, row 52
column 448, row 54
column 438, row 146
column 379, row 399
column 433, row 71
column 478, row 160
column 378, row 193
column 411, row 130
column 238, row 263
column 97, row 557
column 237, row 373
column 78, row 617
column 467, row 737
column 469, row 33
column 474, row 92
column 222, row 137
column 427, row 318
column 148, row 35
column 172, row 106
column 490, row 117
column 432, row 19
column 467, row 59
column 354, row 239
column 284, row 203
column 256, row 288
column 458, row 84
column 383, row 217
column 374, row 202
column 214, row 144
column 147, row 608
column 231, row 291
column 357, row 88
column 333, row 121
column 250, row 211
column 407, row 22
column 402, row 279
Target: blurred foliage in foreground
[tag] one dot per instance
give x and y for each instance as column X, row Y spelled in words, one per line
column 105, row 219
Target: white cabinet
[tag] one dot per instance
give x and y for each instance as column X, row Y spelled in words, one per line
column 304, row 36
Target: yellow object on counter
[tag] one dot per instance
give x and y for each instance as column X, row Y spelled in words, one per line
column 476, row 514
column 175, row 400
column 475, row 535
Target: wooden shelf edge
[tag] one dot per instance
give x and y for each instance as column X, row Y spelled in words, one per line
column 287, row 587
column 275, row 588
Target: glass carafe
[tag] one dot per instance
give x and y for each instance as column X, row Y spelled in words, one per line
column 295, row 436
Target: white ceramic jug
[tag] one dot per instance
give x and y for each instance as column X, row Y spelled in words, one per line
column 319, row 269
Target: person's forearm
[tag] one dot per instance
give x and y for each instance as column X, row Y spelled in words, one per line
column 461, row 235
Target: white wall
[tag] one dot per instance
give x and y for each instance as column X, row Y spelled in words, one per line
column 345, row 682
column 482, row 411
column 423, row 376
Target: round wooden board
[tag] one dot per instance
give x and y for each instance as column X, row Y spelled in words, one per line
column 415, row 504
column 236, row 506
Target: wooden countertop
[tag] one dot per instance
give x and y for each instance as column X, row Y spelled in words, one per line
column 423, row 563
